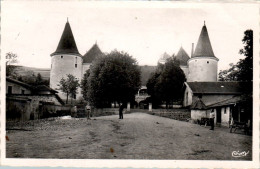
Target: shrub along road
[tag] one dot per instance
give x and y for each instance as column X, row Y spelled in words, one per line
column 137, row 136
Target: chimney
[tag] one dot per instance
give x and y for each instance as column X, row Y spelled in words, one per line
column 192, row 47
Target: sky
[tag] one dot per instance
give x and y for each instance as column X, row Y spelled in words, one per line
column 145, row 30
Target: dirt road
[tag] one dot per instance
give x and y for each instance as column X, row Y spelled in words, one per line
column 137, row 136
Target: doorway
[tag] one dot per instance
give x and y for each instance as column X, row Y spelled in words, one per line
column 218, row 115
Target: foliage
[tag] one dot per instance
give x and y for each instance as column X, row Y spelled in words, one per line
column 166, row 83
column 114, row 77
column 69, row 86
column 243, row 70
column 11, row 59
column 84, row 85
column 33, row 80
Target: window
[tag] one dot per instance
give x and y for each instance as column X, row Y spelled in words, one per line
column 61, row 56
column 76, row 59
column 22, row 91
column 76, row 65
column 207, row 62
column 74, row 96
column 10, row 88
column 225, row 110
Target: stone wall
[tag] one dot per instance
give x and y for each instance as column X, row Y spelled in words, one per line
column 61, row 66
column 26, row 107
column 202, row 69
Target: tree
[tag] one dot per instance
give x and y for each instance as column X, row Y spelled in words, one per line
column 84, row 85
column 11, row 58
column 166, row 83
column 69, row 86
column 243, row 70
column 114, row 77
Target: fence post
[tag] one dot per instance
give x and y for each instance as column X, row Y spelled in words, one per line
column 150, row 107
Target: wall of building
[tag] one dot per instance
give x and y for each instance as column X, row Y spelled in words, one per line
column 61, row 66
column 85, row 67
column 188, row 97
column 198, row 114
column 17, row 89
column 185, row 69
column 202, row 69
column 225, row 116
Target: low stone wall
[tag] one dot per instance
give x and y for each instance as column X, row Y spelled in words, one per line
column 177, row 114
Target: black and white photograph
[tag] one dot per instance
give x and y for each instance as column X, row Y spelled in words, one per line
column 130, row 84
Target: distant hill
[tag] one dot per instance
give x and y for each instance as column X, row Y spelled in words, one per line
column 45, row 72
column 25, row 71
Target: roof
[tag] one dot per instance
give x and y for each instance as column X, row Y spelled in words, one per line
column 203, row 47
column 164, row 57
column 183, row 57
column 67, row 44
column 91, row 54
column 216, row 87
column 44, row 88
column 226, row 102
column 18, row 82
column 198, row 104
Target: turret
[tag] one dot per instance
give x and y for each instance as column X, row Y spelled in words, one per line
column 65, row 60
column 203, row 65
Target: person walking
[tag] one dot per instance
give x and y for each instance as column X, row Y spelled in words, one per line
column 88, row 110
column 121, row 108
column 211, row 117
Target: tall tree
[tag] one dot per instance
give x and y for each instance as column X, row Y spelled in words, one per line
column 69, row 86
column 243, row 70
column 114, row 77
column 167, row 82
column 84, row 85
column 11, row 59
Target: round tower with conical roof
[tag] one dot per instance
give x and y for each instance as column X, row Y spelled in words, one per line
column 65, row 60
column 203, row 64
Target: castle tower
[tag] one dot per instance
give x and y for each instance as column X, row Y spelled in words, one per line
column 203, row 65
column 65, row 60
column 183, row 58
column 90, row 56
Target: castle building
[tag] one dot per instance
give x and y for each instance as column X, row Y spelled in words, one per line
column 203, row 64
column 67, row 60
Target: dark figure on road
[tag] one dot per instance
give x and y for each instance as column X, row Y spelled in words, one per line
column 211, row 117
column 121, row 108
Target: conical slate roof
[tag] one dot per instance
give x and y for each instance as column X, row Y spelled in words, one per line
column 67, row 44
column 91, row 54
column 203, row 47
column 183, row 57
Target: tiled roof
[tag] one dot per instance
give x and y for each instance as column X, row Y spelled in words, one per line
column 44, row 88
column 217, row 87
column 91, row 54
column 198, row 104
column 226, row 102
column 203, row 47
column 182, row 56
column 18, row 82
column 67, row 44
